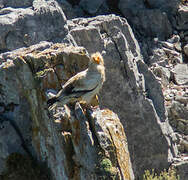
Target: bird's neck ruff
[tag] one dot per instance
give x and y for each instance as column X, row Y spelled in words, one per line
column 96, row 68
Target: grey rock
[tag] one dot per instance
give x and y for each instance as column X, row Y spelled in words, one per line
column 127, row 6
column 10, row 141
column 148, row 22
column 64, row 138
column 91, row 6
column 182, row 17
column 181, row 74
column 163, row 73
column 16, row 3
column 186, row 49
column 178, row 111
column 153, row 90
column 167, row 45
column 69, row 11
column 182, row 169
column 182, row 99
column 115, row 40
column 169, row 6
column 158, row 56
column 107, row 136
column 174, row 39
column 24, row 27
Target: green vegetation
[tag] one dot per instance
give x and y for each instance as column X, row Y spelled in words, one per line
column 106, row 170
column 41, row 73
column 164, row 175
column 106, row 165
column 20, row 167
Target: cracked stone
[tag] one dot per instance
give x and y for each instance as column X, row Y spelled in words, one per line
column 181, row 74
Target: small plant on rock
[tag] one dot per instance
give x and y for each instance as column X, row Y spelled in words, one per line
column 164, row 175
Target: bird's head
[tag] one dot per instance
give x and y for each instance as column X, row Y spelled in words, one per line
column 97, row 59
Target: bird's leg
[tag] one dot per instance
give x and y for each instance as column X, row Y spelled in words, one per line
column 94, row 104
column 85, row 106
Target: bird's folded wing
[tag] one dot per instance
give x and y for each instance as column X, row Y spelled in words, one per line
column 82, row 82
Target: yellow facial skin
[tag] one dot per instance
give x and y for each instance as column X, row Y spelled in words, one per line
column 96, row 60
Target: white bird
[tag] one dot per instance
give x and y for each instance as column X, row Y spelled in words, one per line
column 83, row 86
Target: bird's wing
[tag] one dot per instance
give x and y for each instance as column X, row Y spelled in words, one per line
column 80, row 83
column 87, row 81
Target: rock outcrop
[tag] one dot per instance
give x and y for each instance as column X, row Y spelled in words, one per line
column 75, row 144
column 146, row 86
column 22, row 27
column 143, row 115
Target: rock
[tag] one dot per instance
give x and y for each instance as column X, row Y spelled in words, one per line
column 148, row 22
column 162, row 73
column 182, row 99
column 69, row 11
column 167, row 45
column 177, row 47
column 10, row 141
column 182, row 169
column 63, row 138
column 106, row 141
column 127, row 7
column 111, row 131
column 181, row 127
column 91, row 6
column 114, row 38
column 17, row 3
column 167, row 5
column 178, row 111
column 24, row 27
column 174, row 39
column 185, row 143
column 181, row 74
column 186, row 50
column 182, row 17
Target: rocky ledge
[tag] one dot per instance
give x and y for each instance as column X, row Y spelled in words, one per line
column 146, row 86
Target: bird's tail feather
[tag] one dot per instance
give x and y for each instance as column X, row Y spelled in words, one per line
column 51, row 101
column 52, row 106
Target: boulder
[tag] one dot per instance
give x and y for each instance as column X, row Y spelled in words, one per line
column 186, row 50
column 181, row 74
column 127, row 90
column 16, row 3
column 147, row 22
column 24, row 27
column 91, row 6
column 75, row 145
column 182, row 17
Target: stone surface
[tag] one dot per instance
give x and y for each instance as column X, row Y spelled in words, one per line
column 110, row 135
column 165, row 5
column 182, row 169
column 144, row 88
column 16, row 3
column 65, row 138
column 10, row 141
column 143, row 115
column 24, row 27
column 98, row 139
column 186, row 50
column 182, row 17
column 181, row 74
column 91, row 6
column 69, row 11
column 148, row 22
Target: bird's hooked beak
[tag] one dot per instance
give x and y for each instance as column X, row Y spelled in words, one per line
column 96, row 60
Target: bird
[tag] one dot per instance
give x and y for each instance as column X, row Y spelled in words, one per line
column 83, row 86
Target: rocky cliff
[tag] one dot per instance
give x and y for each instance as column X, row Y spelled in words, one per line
column 146, row 86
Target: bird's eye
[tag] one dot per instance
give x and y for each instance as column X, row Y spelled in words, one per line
column 97, row 60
